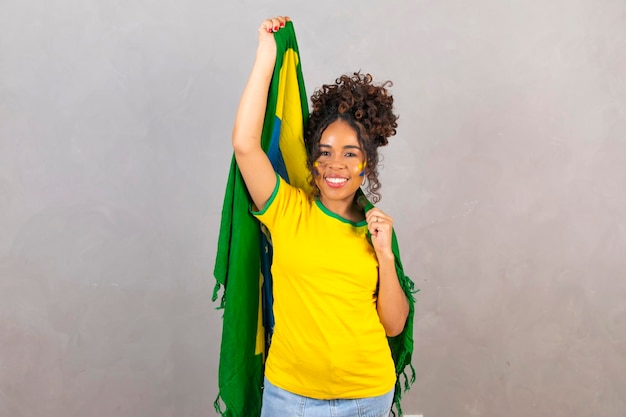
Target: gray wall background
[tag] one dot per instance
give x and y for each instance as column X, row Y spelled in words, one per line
column 506, row 181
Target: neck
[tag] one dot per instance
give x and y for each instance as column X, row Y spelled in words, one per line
column 347, row 208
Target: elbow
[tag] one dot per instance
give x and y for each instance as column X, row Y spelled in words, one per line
column 244, row 139
column 395, row 327
column 393, row 331
column 243, row 145
column 239, row 144
column 394, row 321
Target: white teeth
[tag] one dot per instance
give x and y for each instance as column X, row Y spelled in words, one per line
column 336, row 180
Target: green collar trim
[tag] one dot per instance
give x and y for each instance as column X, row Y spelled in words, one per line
column 338, row 217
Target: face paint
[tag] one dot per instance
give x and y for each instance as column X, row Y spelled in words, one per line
column 362, row 166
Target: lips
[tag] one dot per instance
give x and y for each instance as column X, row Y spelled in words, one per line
column 335, row 182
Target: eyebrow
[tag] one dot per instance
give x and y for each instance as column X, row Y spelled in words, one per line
column 323, row 145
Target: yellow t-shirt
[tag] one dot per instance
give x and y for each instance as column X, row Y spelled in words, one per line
column 328, row 341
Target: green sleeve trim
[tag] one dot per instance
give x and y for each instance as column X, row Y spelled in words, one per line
column 270, row 201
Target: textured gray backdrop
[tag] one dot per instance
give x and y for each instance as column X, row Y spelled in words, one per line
column 506, row 181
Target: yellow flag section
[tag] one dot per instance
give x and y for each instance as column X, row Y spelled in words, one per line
column 259, row 348
column 288, row 110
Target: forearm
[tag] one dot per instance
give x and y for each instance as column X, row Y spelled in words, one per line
column 254, row 165
column 392, row 305
column 251, row 111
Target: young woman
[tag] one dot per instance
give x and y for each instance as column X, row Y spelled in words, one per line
column 336, row 292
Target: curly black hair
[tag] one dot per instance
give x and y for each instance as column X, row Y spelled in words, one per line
column 367, row 107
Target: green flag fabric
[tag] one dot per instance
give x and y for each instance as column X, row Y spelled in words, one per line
column 243, row 260
column 242, row 244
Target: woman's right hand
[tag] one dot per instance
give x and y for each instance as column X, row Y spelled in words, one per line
column 267, row 46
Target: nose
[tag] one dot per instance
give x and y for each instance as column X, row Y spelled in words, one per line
column 336, row 161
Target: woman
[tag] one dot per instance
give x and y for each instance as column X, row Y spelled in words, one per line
column 336, row 292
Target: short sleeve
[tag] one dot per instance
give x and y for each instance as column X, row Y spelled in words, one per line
column 284, row 205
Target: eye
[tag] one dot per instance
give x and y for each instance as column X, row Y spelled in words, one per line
column 324, row 153
column 350, row 154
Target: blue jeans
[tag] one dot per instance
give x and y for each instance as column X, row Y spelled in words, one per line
column 280, row 403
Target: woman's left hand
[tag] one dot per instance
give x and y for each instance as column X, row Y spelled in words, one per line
column 380, row 226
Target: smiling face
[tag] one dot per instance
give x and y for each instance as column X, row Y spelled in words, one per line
column 340, row 166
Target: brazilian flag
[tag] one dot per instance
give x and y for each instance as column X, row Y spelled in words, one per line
column 244, row 250
column 243, row 260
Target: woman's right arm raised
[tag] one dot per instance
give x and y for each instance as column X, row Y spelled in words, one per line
column 255, row 167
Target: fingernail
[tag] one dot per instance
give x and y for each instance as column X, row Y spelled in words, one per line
column 282, row 24
column 269, row 30
column 275, row 28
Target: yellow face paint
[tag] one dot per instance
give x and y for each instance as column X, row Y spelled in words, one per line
column 362, row 166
